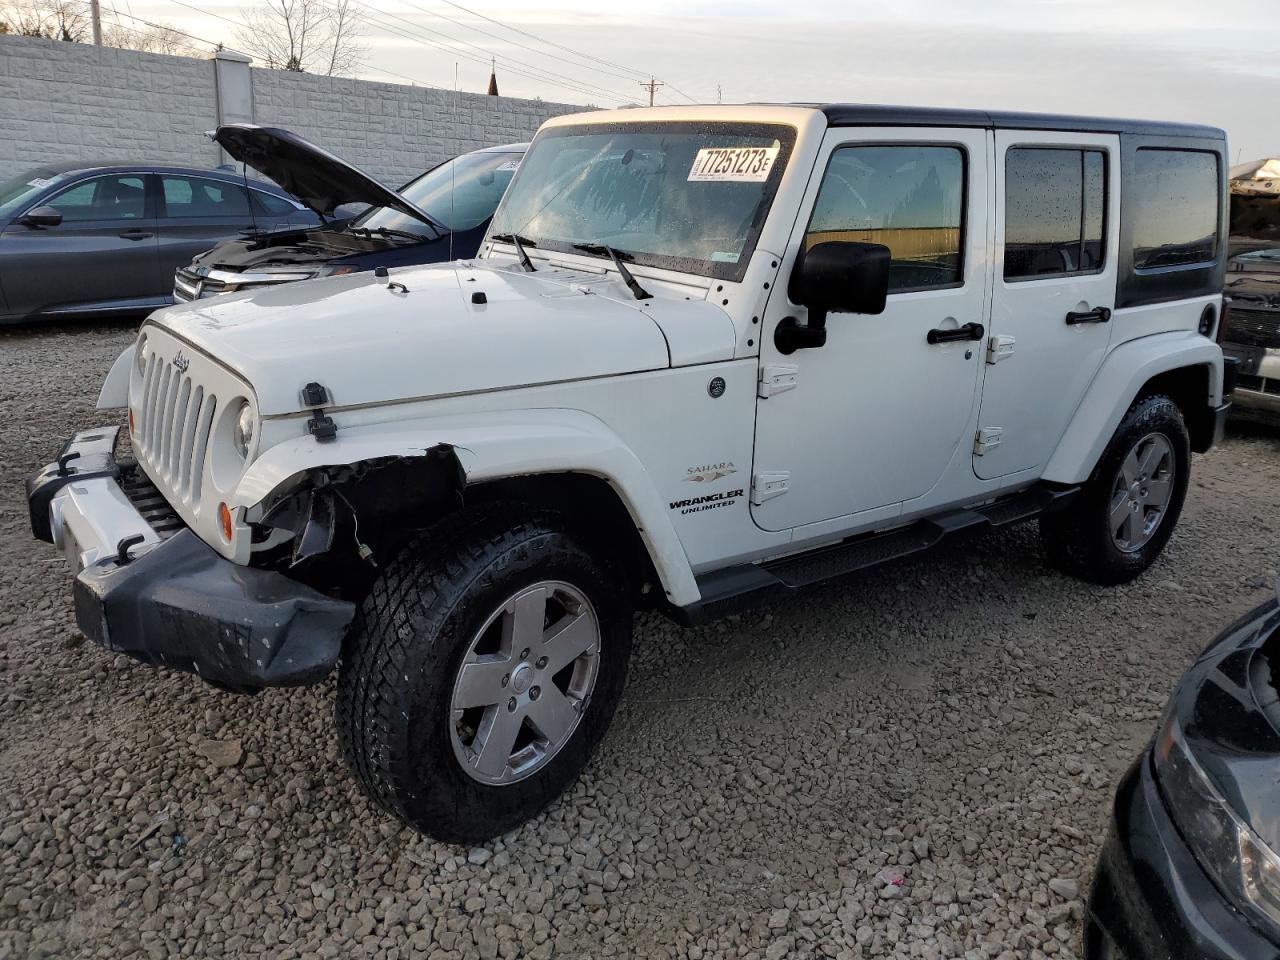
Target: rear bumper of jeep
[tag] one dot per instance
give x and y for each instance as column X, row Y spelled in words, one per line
column 162, row 596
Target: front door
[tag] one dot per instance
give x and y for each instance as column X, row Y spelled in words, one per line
column 1056, row 237
column 102, row 255
column 874, row 417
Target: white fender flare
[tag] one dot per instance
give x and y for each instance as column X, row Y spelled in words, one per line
column 115, row 389
column 1122, row 374
column 491, row 446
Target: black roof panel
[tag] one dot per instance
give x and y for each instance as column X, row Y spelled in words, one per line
column 880, row 115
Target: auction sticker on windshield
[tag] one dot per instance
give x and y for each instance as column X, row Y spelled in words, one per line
column 733, row 164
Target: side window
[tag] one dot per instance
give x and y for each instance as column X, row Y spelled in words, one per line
column 271, row 205
column 197, row 197
column 1055, row 204
column 119, row 197
column 1175, row 203
column 910, row 198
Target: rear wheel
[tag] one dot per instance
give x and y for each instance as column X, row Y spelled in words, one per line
column 483, row 669
column 1127, row 510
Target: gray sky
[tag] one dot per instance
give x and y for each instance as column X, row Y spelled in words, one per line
column 1169, row 59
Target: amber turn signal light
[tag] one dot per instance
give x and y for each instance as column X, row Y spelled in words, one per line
column 131, row 421
column 224, row 521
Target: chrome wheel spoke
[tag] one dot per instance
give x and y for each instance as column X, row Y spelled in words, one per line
column 522, row 625
column 1120, row 511
column 495, row 740
column 1158, row 492
column 553, row 715
column 1131, row 469
column 567, row 640
column 1134, row 527
column 479, row 682
column 1150, row 459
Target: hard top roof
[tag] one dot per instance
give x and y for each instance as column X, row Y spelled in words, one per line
column 880, row 115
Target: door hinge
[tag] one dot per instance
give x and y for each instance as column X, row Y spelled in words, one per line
column 777, row 378
column 999, row 348
column 986, row 440
column 769, row 484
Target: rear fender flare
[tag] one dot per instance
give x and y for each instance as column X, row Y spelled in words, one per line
column 1123, row 374
column 493, row 446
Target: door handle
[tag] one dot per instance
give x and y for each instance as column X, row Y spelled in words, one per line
column 966, row 331
column 136, row 234
column 1097, row 315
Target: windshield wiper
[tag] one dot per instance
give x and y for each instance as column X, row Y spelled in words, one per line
column 519, row 243
column 602, row 249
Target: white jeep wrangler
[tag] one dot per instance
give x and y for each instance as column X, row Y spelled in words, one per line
column 705, row 355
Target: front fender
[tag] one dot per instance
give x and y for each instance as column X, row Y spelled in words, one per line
column 115, row 388
column 1123, row 373
column 491, row 446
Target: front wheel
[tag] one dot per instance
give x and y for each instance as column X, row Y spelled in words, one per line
column 483, row 669
column 1127, row 510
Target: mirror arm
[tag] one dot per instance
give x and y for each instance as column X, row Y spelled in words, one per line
column 791, row 335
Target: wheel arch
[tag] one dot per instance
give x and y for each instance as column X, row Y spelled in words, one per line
column 1183, row 365
column 562, row 459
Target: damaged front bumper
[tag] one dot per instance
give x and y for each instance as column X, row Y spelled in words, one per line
column 172, row 600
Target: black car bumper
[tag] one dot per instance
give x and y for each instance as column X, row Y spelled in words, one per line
column 1151, row 900
column 174, row 601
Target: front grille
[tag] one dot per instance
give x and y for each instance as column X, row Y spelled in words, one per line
column 149, row 501
column 1245, row 381
column 1254, row 328
column 188, row 286
column 176, row 420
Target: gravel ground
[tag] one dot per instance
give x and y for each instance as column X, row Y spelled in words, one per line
column 914, row 763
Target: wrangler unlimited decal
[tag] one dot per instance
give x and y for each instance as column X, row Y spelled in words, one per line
column 710, row 502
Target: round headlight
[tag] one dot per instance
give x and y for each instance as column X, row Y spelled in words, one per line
column 140, row 353
column 243, row 434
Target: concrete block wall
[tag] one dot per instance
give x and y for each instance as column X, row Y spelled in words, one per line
column 70, row 101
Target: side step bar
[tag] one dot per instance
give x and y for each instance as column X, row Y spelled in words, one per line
column 735, row 588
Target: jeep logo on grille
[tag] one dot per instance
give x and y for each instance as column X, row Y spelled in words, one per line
column 181, row 362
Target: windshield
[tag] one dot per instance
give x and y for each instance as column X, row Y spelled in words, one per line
column 686, row 196
column 460, row 194
column 15, row 193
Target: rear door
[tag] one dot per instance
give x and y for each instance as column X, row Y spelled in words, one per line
column 102, row 255
column 196, row 214
column 1057, row 232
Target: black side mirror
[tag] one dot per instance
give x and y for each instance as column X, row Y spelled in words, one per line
column 838, row 276
column 43, row 216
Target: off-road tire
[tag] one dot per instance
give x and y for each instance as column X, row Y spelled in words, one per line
column 405, row 648
column 1077, row 539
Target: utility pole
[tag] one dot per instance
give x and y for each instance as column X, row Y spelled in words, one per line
column 651, row 84
column 97, row 22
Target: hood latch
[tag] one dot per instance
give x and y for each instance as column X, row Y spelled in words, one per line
column 316, row 396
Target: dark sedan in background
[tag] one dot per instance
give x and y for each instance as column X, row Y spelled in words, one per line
column 81, row 239
column 439, row 216
column 1191, row 866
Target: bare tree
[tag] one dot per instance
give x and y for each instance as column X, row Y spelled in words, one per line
column 50, row 19
column 312, row 36
column 149, row 38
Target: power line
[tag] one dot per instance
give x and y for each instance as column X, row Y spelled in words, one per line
column 541, row 76
column 581, row 86
column 641, row 74
column 160, row 26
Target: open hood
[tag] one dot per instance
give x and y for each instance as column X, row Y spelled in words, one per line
column 316, row 177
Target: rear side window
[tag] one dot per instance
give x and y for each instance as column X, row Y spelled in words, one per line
column 272, row 205
column 197, row 197
column 910, row 198
column 1174, row 198
column 1055, row 212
